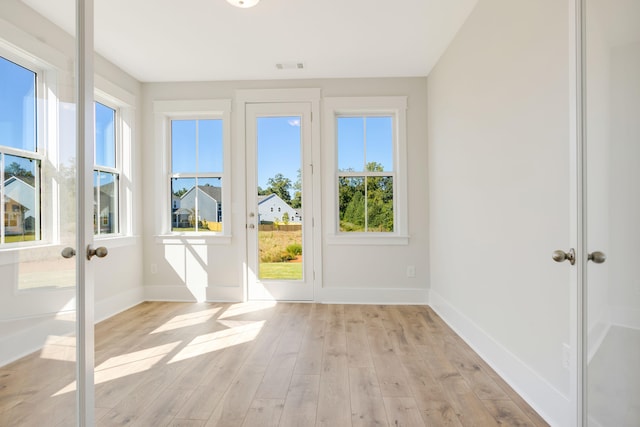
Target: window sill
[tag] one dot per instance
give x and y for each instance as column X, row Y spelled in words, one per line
column 193, row 239
column 369, row 240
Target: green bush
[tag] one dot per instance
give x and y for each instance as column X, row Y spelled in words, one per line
column 294, row 249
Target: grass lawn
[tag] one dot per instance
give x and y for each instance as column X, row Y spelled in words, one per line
column 19, row 238
column 281, row 270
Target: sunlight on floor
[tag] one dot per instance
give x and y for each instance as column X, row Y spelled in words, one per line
column 59, row 348
column 246, row 307
column 242, row 332
column 127, row 364
column 189, row 319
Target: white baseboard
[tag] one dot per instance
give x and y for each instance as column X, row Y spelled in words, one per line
column 181, row 293
column 627, row 317
column 30, row 334
column 551, row 404
column 339, row 295
column 113, row 305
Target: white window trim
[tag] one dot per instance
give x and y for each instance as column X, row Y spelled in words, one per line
column 45, row 114
column 164, row 112
column 122, row 102
column 396, row 106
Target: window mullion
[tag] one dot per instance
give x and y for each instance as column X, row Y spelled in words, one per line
column 2, row 199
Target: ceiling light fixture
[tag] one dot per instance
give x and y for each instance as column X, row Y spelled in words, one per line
column 243, row 3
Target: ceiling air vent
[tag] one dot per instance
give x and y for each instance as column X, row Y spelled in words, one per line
column 290, row 65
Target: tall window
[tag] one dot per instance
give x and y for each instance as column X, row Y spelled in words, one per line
column 196, row 175
column 106, row 174
column 365, row 173
column 19, row 157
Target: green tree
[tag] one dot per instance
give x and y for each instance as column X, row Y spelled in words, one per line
column 296, row 202
column 377, row 206
column 285, row 218
column 279, row 185
column 181, row 192
column 14, row 169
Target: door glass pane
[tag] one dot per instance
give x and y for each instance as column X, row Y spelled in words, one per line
column 613, row 209
column 280, row 198
column 38, row 210
column 105, row 214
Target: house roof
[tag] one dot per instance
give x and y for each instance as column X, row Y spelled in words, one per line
column 214, row 192
column 21, row 192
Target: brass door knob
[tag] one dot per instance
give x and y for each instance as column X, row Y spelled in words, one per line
column 560, row 256
column 597, row 257
column 100, row 252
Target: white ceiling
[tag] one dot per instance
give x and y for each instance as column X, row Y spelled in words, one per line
column 205, row 40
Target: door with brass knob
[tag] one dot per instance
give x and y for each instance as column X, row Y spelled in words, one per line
column 610, row 299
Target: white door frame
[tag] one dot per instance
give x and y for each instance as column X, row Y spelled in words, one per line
column 578, row 213
column 85, row 314
column 311, row 96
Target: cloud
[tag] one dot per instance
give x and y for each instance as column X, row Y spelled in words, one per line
column 294, row 123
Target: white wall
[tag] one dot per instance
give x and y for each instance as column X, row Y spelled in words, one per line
column 498, row 115
column 27, row 318
column 624, row 280
column 374, row 274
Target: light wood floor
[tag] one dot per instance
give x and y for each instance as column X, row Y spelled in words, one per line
column 265, row 364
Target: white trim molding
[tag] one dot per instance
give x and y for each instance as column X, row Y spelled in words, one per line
column 397, row 107
column 550, row 403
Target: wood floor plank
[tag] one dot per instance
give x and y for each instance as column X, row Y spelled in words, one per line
column 358, row 352
column 468, row 365
column 367, row 405
column 232, row 408
column 507, row 413
column 301, row 404
column 177, row 422
column 403, row 412
column 214, row 383
column 470, row 410
column 264, row 413
column 334, row 407
column 163, row 409
column 334, row 357
column 428, row 393
column 309, row 361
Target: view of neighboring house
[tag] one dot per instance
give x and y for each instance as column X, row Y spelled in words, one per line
column 271, row 208
column 19, row 207
column 209, row 206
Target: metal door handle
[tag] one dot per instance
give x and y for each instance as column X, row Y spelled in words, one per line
column 68, row 253
column 597, row 257
column 560, row 256
column 251, row 226
column 100, row 252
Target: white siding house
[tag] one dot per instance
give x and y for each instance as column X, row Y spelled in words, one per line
column 209, row 206
column 20, row 206
column 271, row 208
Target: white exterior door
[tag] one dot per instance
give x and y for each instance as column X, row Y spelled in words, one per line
column 279, row 218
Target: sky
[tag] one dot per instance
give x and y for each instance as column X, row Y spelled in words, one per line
column 279, row 149
column 17, row 106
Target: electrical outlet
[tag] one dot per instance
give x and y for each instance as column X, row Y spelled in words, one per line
column 566, row 356
column 411, row 271
column 154, row 268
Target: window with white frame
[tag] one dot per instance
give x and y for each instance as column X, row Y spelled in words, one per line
column 20, row 158
column 368, row 168
column 106, row 172
column 197, row 166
